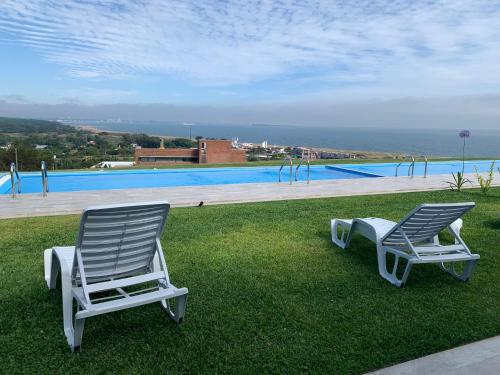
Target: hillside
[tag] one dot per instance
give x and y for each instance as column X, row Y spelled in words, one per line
column 17, row 125
column 67, row 147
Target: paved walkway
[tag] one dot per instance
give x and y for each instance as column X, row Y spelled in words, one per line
column 183, row 196
column 479, row 358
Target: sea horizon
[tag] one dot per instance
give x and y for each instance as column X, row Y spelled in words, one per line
column 416, row 141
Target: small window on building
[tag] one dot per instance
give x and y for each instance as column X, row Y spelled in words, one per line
column 203, row 145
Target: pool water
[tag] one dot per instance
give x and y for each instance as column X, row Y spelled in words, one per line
column 136, row 179
column 433, row 168
column 133, row 179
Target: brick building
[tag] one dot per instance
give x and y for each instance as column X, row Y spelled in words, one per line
column 208, row 151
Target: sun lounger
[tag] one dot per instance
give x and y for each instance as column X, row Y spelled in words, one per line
column 117, row 249
column 414, row 240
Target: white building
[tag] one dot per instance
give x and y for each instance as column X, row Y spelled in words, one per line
column 114, row 164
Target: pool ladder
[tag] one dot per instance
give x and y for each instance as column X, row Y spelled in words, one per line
column 15, row 180
column 306, row 156
column 411, row 167
column 285, row 160
column 45, row 178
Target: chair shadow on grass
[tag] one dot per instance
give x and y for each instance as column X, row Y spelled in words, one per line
column 479, row 194
column 125, row 325
column 362, row 255
column 361, row 252
column 493, row 224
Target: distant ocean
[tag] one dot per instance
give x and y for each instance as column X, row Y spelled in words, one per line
column 435, row 142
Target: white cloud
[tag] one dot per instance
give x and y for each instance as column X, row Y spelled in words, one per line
column 107, row 95
column 387, row 48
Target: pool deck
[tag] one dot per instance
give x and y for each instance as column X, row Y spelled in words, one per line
column 29, row 205
column 478, row 358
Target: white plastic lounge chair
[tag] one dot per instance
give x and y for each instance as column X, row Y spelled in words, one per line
column 117, row 247
column 415, row 239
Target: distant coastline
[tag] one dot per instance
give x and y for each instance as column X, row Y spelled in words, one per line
column 265, row 125
column 389, row 141
column 96, row 130
column 364, row 153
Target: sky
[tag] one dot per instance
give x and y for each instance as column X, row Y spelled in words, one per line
column 353, row 62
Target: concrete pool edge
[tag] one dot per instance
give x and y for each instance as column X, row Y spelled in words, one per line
column 3, row 180
column 64, row 203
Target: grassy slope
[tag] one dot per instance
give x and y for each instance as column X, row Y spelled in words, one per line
column 268, row 293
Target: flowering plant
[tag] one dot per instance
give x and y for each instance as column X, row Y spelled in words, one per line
column 458, row 180
column 464, row 134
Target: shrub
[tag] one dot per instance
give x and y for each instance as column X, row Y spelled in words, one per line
column 485, row 183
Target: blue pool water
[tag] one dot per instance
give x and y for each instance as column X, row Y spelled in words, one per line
column 130, row 179
column 106, row 180
column 433, row 168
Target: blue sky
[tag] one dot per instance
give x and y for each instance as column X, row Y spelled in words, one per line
column 246, row 52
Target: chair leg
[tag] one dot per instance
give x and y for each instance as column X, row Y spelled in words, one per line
column 340, row 239
column 78, row 334
column 51, row 268
column 67, row 306
column 392, row 276
column 406, row 273
column 54, row 266
column 180, row 308
column 74, row 332
column 67, row 299
column 465, row 275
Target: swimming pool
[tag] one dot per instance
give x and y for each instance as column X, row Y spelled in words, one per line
column 151, row 178
column 132, row 179
column 433, row 168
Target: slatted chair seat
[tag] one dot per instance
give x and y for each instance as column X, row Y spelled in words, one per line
column 117, row 247
column 414, row 239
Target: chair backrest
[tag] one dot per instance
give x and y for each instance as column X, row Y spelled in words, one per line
column 118, row 240
column 425, row 222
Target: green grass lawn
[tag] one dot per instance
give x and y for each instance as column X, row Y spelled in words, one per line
column 268, row 293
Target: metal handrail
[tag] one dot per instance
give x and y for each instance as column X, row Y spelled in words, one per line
column 45, row 178
column 397, row 167
column 307, row 158
column 13, row 175
column 288, row 158
column 411, row 167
